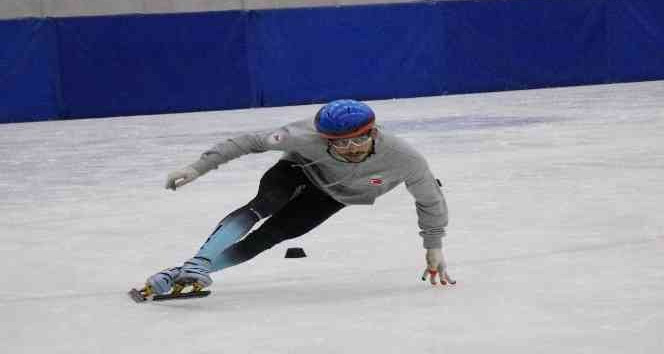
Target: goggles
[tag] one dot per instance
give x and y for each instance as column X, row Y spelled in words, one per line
column 345, row 143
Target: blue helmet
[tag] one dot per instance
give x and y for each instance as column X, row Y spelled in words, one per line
column 344, row 119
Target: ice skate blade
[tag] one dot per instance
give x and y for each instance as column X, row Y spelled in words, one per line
column 137, row 296
column 145, row 295
column 187, row 295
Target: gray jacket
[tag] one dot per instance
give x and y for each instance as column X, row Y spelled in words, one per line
column 394, row 161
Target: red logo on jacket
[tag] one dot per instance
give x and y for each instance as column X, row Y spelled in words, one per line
column 376, row 181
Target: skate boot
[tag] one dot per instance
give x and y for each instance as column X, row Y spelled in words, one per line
column 194, row 272
column 170, row 283
column 162, row 282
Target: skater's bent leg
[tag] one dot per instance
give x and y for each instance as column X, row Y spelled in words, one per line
column 228, row 231
column 298, row 217
column 281, row 183
column 277, row 186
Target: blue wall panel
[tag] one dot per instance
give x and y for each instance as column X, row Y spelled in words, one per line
column 148, row 64
column 506, row 45
column 366, row 52
column 636, row 40
column 28, row 71
column 126, row 65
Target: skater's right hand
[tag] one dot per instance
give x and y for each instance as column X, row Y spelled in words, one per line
column 181, row 177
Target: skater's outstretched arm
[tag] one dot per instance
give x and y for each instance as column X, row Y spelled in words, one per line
column 280, row 139
column 432, row 219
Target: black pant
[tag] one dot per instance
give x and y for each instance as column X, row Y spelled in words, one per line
column 294, row 206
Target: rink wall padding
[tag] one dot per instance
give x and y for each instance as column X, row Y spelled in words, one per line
column 126, row 65
column 29, row 75
column 367, row 52
column 101, row 66
column 497, row 45
column 635, row 37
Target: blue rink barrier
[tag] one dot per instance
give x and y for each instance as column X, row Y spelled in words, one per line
column 127, row 65
column 101, row 66
column 635, row 40
column 496, row 45
column 365, row 52
column 29, row 75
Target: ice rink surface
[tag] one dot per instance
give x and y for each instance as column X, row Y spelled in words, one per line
column 556, row 201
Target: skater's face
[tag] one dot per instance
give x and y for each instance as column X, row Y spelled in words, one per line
column 354, row 149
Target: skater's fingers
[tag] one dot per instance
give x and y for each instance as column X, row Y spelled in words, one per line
column 442, row 274
column 448, row 279
column 430, row 275
column 433, row 275
column 425, row 274
column 174, row 183
column 180, row 182
column 181, row 177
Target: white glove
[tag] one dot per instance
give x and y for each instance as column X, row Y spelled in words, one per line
column 436, row 268
column 181, row 177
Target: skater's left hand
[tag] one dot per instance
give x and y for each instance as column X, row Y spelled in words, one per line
column 437, row 268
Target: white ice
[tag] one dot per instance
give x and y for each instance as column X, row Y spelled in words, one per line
column 556, row 239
